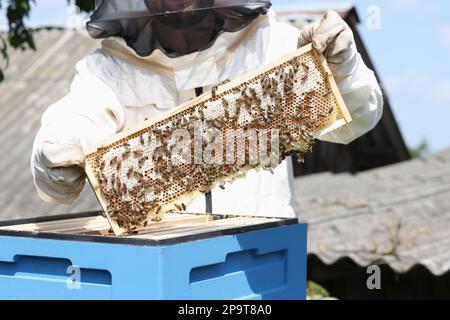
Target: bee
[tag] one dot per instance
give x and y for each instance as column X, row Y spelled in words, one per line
column 222, row 187
column 102, row 165
column 118, row 183
column 220, row 122
column 148, row 188
column 130, row 173
column 111, row 211
column 304, row 79
column 137, row 153
column 201, row 115
column 142, row 161
column 214, row 124
column 214, row 91
column 138, row 175
column 113, row 161
column 141, row 181
column 126, row 155
column 157, row 191
column 193, row 117
column 183, row 121
column 119, row 165
column 305, row 66
column 248, row 108
column 330, row 111
column 309, row 94
column 167, row 135
column 240, row 101
column 224, row 82
column 141, row 140
column 104, row 181
column 253, row 92
column 179, row 207
column 225, row 103
column 157, row 132
column 301, row 117
column 291, row 74
column 326, row 94
column 238, row 111
column 274, row 83
column 287, row 90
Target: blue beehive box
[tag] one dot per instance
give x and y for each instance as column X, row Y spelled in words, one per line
column 255, row 261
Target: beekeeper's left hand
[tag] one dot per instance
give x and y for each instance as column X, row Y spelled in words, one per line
column 334, row 38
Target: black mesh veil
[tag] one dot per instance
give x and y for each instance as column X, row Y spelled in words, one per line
column 194, row 24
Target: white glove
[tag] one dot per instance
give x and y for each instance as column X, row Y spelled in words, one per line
column 56, row 165
column 334, row 38
column 358, row 85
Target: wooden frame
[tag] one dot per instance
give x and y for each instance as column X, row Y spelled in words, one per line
column 173, row 228
column 344, row 115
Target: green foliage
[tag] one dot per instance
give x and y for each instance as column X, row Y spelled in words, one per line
column 315, row 290
column 421, row 150
column 85, row 5
column 4, row 55
column 18, row 36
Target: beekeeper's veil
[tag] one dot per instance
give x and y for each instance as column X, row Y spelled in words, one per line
column 135, row 20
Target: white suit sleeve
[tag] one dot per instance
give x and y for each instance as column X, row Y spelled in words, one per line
column 363, row 98
column 81, row 120
column 356, row 82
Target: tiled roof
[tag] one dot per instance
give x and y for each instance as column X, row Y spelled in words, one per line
column 399, row 215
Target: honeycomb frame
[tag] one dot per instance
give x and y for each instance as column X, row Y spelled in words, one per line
column 135, row 182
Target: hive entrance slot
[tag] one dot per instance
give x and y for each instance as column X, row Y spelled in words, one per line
column 52, row 269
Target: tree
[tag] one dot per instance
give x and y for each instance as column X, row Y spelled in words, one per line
column 420, row 150
column 18, row 36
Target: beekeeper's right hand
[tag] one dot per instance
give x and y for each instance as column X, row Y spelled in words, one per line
column 70, row 128
column 56, row 164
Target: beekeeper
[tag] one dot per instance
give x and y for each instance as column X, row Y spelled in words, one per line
column 157, row 54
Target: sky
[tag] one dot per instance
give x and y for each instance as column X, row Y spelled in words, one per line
column 409, row 42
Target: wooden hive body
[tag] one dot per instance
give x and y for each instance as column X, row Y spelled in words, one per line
column 142, row 173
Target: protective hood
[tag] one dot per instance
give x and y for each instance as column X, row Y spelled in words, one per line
column 197, row 23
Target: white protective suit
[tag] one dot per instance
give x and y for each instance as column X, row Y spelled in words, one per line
column 114, row 89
